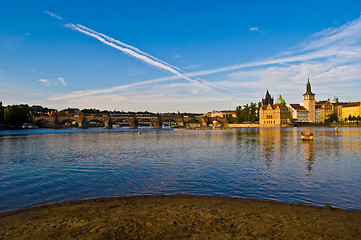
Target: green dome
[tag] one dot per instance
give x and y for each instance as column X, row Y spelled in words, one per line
column 280, row 100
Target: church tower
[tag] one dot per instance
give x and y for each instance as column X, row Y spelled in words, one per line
column 309, row 102
column 268, row 100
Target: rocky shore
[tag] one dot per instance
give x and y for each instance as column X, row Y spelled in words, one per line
column 179, row 217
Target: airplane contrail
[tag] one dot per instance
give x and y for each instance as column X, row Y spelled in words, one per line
column 130, row 50
column 125, row 45
column 54, row 15
column 133, row 53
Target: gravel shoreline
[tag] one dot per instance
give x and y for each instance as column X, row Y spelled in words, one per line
column 179, row 216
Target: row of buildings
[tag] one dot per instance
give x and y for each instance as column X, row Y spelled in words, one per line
column 278, row 113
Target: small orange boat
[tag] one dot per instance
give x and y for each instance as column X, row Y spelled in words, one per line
column 307, row 137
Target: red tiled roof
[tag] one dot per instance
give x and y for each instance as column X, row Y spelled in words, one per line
column 352, row 104
column 321, row 102
column 298, row 107
column 339, row 103
column 227, row 111
column 274, row 106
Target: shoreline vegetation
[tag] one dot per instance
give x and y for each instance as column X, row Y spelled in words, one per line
column 179, row 216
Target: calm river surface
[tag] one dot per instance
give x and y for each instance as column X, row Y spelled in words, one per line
column 46, row 165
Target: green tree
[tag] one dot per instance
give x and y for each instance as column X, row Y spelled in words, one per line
column 248, row 113
column 16, row 115
column 350, row 118
column 239, row 114
column 332, row 118
column 230, row 118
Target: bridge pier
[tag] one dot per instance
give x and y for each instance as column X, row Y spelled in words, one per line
column 56, row 123
column 180, row 122
column 81, row 122
column 157, row 123
column 133, row 122
column 223, row 122
column 204, row 121
column 108, row 123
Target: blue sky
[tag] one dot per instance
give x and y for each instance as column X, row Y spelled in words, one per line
column 169, row 56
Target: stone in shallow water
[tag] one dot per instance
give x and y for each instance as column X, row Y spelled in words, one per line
column 328, row 207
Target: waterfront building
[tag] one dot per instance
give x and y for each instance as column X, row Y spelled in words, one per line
column 325, row 110
column 317, row 114
column 337, row 108
column 309, row 103
column 351, row 109
column 273, row 115
column 298, row 113
column 223, row 113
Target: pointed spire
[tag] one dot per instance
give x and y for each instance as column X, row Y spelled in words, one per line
column 308, row 88
column 268, row 99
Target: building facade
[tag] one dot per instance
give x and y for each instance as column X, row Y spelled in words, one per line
column 351, row 109
column 298, row 113
column 325, row 110
column 273, row 115
column 337, row 108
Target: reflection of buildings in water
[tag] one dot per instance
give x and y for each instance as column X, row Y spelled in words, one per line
column 349, row 141
column 309, row 155
column 270, row 142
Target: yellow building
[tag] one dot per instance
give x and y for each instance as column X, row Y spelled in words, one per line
column 273, row 115
column 325, row 110
column 351, row 109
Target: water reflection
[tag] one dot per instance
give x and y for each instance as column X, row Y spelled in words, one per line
column 272, row 144
column 270, row 163
column 309, row 155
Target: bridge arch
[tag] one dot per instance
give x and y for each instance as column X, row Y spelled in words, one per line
column 170, row 123
column 94, row 122
column 43, row 123
column 70, row 122
column 192, row 122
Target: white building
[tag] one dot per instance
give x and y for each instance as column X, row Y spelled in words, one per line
column 298, row 113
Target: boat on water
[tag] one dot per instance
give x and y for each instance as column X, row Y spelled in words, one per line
column 307, row 137
column 29, row 126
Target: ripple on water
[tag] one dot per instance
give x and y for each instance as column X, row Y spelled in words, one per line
column 256, row 163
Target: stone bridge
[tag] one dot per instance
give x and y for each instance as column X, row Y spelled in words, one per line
column 132, row 121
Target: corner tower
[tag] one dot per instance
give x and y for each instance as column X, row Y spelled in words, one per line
column 309, row 102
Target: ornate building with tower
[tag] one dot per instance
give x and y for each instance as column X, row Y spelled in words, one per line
column 278, row 114
column 273, row 115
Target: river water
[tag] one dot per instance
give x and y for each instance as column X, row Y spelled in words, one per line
column 47, row 165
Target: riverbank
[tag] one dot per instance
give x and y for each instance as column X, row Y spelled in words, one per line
column 171, row 217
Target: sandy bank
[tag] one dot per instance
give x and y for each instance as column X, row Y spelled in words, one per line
column 172, row 217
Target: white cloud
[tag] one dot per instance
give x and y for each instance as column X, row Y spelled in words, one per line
column 332, row 59
column 61, row 80
column 45, row 82
column 52, row 83
column 253, row 29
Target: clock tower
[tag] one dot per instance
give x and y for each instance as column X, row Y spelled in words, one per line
column 309, row 102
